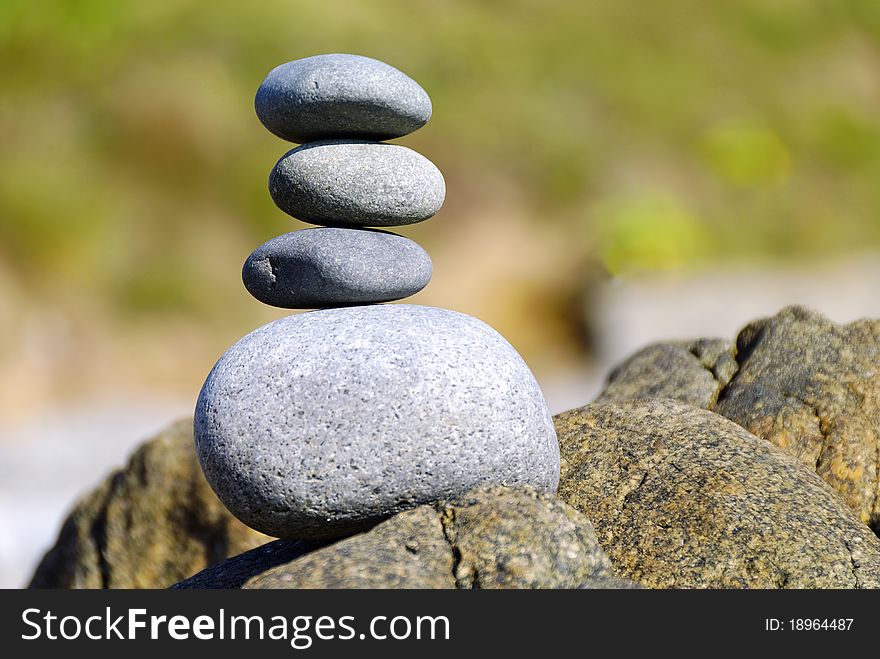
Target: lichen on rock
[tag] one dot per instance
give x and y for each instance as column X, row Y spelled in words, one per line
column 810, row 386
column 681, row 497
column 492, row 537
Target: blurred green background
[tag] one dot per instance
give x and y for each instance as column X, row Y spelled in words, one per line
column 579, row 139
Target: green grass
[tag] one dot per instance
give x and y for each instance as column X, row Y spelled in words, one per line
column 663, row 134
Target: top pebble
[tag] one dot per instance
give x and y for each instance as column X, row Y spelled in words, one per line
column 340, row 96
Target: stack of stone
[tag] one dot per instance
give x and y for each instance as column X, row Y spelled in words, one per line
column 342, row 178
column 322, row 424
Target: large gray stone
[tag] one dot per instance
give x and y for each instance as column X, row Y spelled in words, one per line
column 354, row 183
column 329, row 267
column 322, row 424
column 332, row 96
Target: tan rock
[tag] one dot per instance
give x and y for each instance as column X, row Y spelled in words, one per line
column 683, row 498
column 693, row 372
column 490, row 538
column 810, row 386
column 148, row 525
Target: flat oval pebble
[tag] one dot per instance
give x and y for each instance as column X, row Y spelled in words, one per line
column 328, row 267
column 355, row 183
column 323, row 423
column 333, row 96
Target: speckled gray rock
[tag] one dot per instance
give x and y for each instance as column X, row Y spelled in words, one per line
column 683, row 498
column 328, row 267
column 322, row 424
column 332, row 96
column 355, row 183
column 492, row 537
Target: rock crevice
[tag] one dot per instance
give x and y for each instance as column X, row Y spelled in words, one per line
column 493, row 537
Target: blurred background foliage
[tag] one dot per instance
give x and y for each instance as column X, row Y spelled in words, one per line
column 579, row 138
